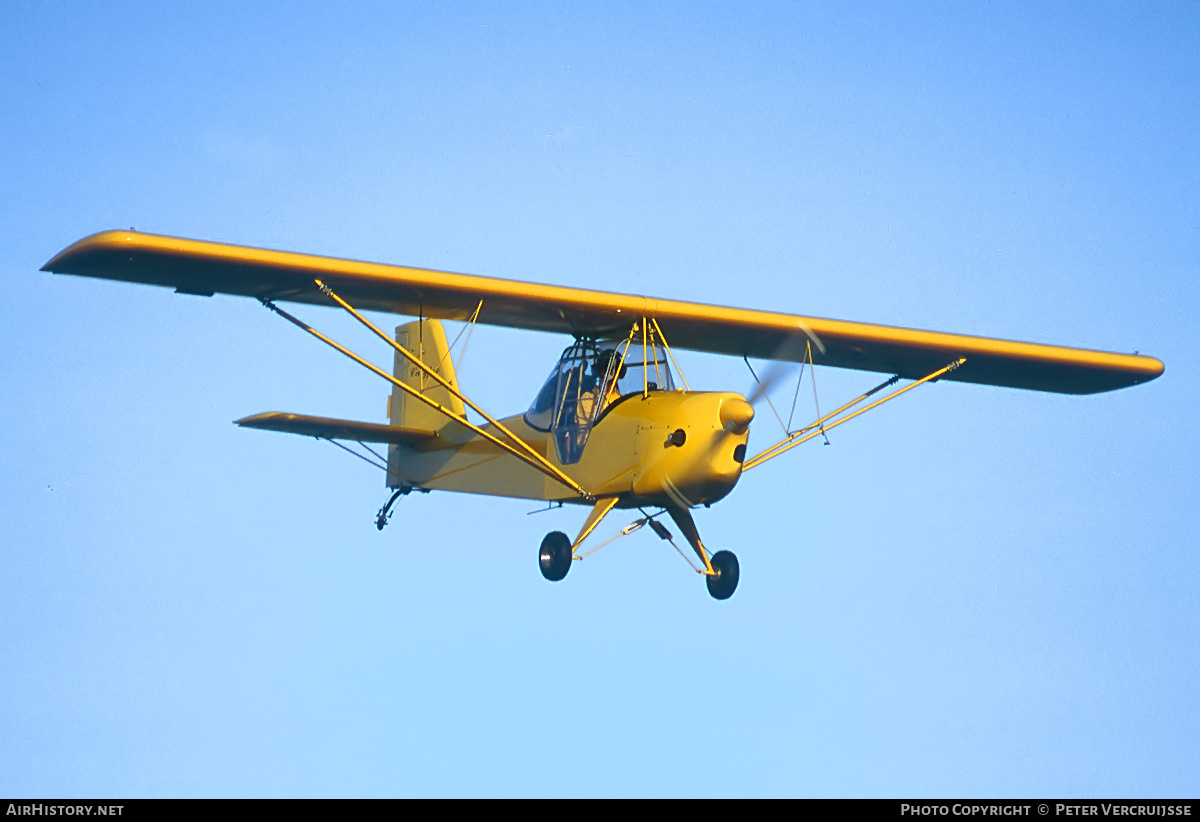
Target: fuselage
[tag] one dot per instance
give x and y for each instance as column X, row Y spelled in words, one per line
column 678, row 448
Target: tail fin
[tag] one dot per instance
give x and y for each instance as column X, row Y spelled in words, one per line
column 427, row 340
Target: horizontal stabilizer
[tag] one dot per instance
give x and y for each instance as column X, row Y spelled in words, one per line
column 334, row 429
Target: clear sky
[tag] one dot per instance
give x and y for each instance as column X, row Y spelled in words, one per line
column 972, row 591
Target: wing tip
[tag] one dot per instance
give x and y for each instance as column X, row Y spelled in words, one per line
column 268, row 420
column 1151, row 368
column 1126, row 371
column 76, row 251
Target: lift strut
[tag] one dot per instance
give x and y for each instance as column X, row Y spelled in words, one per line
column 545, row 465
column 807, row 432
column 536, row 461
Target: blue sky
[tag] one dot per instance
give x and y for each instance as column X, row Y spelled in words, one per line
column 972, row 591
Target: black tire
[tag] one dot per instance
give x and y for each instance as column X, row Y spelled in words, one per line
column 724, row 583
column 554, row 557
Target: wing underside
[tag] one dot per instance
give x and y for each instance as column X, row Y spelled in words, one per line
column 197, row 267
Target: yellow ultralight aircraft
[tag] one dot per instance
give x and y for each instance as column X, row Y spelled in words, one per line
column 610, row 428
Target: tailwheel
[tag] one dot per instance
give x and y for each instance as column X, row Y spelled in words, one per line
column 554, row 557
column 385, row 513
column 723, row 583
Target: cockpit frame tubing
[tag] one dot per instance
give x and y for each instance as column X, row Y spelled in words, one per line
column 788, row 444
column 461, row 420
column 559, row 395
column 613, row 377
column 653, row 355
column 645, row 370
column 616, row 375
column 581, row 345
column 546, row 465
column 648, row 325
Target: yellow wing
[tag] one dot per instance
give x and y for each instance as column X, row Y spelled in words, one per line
column 197, row 267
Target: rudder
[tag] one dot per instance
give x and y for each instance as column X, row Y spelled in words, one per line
column 427, row 340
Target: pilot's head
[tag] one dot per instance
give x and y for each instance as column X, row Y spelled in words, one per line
column 601, row 364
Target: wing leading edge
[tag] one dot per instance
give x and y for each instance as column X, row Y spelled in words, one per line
column 198, row 267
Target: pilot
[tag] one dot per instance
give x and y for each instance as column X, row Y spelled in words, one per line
column 592, row 390
column 604, row 371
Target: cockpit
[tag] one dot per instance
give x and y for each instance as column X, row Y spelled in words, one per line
column 589, row 378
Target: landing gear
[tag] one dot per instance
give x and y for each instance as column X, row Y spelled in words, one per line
column 723, row 580
column 720, row 570
column 723, row 583
column 554, row 557
column 385, row 513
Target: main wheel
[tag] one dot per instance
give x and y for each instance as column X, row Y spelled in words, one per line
column 554, row 557
column 724, row 583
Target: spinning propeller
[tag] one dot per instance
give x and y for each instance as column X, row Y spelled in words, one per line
column 790, row 352
column 736, row 415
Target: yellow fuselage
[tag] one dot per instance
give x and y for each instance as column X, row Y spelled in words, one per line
column 633, row 452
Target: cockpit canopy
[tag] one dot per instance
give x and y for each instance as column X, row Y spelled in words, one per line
column 590, row 376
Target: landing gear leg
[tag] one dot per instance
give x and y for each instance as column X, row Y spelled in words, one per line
column 557, row 551
column 385, row 513
column 721, row 572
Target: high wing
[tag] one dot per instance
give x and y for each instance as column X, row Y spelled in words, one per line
column 204, row 268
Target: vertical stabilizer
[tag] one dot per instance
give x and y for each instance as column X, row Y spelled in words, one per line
column 427, row 340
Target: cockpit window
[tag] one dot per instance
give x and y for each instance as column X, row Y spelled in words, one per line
column 588, row 378
column 657, row 376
